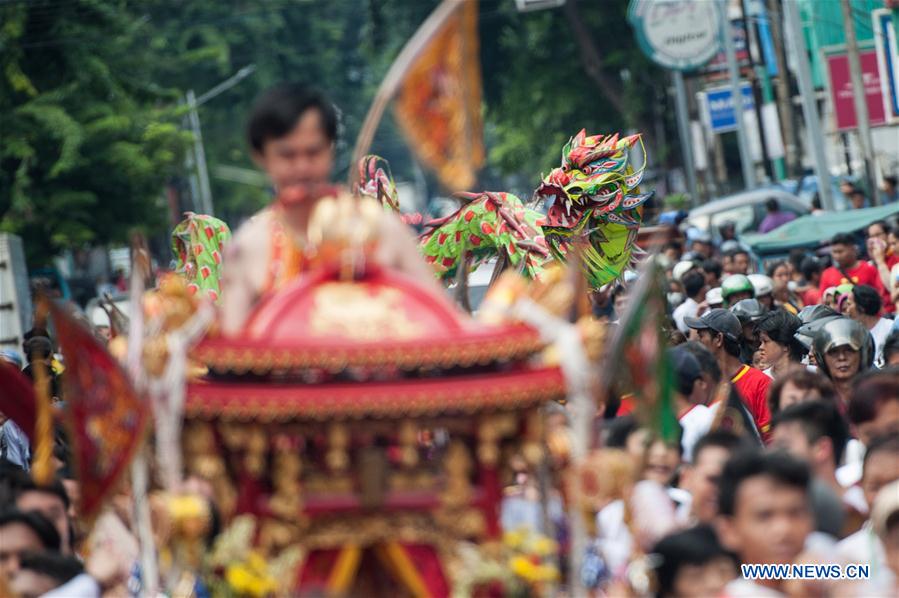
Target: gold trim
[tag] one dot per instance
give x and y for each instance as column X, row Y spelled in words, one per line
column 456, row 352
column 259, row 404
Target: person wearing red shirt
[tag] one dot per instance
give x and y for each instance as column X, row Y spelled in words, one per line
column 720, row 331
column 848, row 269
column 883, row 257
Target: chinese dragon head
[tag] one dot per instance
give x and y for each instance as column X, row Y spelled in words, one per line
column 593, row 200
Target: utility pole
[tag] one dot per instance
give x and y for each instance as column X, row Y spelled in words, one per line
column 204, row 190
column 784, row 96
column 199, row 155
column 737, row 95
column 809, row 109
column 860, row 101
column 683, row 130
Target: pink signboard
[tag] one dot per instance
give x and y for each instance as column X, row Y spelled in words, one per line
column 841, row 89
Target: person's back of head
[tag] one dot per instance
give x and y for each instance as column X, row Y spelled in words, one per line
column 37, row 347
column 771, row 205
column 707, row 362
column 891, row 349
column 867, row 300
column 694, row 283
column 817, row 420
column 712, row 267
column 619, row 429
column 696, row 548
column 810, row 268
column 874, row 403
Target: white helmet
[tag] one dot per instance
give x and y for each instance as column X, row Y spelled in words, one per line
column 682, row 268
column 762, row 284
column 713, row 297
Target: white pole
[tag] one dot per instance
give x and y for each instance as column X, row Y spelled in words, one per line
column 200, row 153
column 737, row 94
column 686, row 139
column 809, row 109
column 860, row 101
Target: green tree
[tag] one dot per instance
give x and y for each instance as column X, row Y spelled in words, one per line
column 86, row 141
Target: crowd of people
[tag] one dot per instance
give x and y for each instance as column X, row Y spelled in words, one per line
column 786, row 392
column 787, row 396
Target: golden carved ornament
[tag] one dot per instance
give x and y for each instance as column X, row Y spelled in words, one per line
column 203, row 458
column 338, row 440
column 361, row 313
column 532, row 449
column 256, row 449
column 488, row 442
column 408, row 440
column 457, row 466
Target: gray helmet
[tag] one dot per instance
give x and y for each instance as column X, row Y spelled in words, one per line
column 748, row 310
column 810, row 313
column 838, row 332
column 813, row 317
column 736, row 283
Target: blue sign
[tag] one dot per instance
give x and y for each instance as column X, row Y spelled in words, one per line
column 719, row 106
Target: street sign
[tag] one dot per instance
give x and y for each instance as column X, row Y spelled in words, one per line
column 676, row 34
column 718, row 107
column 841, row 89
column 887, row 61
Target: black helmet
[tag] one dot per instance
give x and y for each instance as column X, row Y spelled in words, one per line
column 748, row 310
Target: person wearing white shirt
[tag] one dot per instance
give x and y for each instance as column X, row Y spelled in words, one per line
column 864, row 305
column 695, row 288
column 690, row 387
column 880, row 468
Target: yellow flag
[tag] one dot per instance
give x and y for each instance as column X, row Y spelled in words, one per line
column 438, row 102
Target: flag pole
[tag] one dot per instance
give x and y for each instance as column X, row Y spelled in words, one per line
column 394, row 77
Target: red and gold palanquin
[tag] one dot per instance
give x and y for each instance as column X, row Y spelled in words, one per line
column 369, row 421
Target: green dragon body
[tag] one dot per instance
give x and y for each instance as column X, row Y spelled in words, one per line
column 592, row 201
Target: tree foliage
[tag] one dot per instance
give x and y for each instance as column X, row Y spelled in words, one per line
column 86, row 141
column 93, row 90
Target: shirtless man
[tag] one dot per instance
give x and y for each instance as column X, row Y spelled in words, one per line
column 292, row 131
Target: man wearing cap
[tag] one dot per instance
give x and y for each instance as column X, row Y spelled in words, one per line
column 694, row 417
column 720, row 331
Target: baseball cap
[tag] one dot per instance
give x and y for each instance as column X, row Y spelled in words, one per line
column 686, row 366
column 719, row 320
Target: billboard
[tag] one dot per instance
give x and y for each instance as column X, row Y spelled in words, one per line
column 841, row 89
